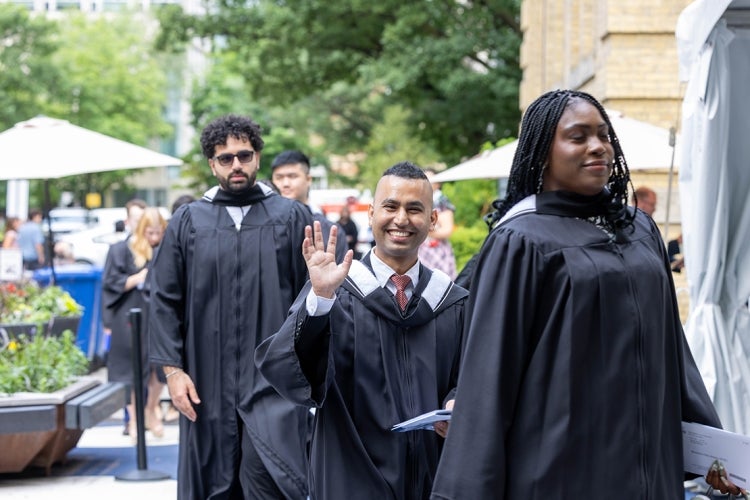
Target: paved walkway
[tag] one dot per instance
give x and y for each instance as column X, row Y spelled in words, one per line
column 91, row 469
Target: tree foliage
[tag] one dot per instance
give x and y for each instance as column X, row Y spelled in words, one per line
column 392, row 141
column 113, row 84
column 221, row 91
column 100, row 73
column 27, row 76
column 341, row 64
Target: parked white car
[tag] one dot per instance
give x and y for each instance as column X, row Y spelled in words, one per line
column 66, row 220
column 90, row 246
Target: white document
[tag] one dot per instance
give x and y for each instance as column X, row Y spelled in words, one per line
column 701, row 445
column 423, row 421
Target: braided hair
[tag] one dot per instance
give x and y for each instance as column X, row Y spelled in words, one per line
column 538, row 129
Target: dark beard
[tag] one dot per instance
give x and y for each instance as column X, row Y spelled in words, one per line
column 236, row 188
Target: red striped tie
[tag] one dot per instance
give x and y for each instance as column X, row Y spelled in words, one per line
column 401, row 281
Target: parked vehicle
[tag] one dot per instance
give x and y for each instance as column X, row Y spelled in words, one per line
column 67, row 220
column 90, row 245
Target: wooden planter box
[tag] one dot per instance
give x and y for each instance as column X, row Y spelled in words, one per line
column 39, row 429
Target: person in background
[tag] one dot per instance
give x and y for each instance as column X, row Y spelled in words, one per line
column 144, row 243
column 122, row 281
column 31, row 241
column 269, row 184
column 63, row 253
column 676, row 258
column 181, row 200
column 436, row 252
column 133, row 210
column 290, row 173
column 222, row 281
column 645, row 198
column 372, row 343
column 351, row 231
column 10, row 239
column 576, row 374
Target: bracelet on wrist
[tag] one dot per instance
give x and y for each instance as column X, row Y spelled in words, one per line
column 167, row 375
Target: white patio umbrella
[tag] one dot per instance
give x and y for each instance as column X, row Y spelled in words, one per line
column 490, row 164
column 646, row 147
column 48, row 148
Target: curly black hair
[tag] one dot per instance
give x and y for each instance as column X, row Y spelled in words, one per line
column 239, row 127
column 538, row 129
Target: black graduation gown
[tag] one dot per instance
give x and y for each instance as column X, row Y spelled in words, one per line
column 576, row 373
column 216, row 293
column 116, row 305
column 325, row 226
column 350, row 229
column 366, row 367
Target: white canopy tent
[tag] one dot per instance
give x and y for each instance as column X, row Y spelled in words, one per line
column 713, row 38
column 646, row 147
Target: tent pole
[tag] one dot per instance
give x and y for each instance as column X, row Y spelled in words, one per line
column 672, row 142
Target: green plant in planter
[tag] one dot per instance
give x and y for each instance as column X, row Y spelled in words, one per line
column 43, row 364
column 31, row 303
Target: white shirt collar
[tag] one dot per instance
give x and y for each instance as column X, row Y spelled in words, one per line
column 383, row 272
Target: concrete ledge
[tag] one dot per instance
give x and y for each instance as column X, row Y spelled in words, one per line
column 79, row 386
column 91, row 407
column 28, row 419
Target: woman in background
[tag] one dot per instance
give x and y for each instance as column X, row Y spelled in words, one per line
column 10, row 240
column 124, row 280
column 436, row 251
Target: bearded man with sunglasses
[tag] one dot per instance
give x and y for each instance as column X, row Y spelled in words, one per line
column 227, row 271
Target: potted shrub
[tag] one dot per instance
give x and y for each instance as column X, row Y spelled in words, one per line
column 29, row 308
column 41, row 372
column 42, row 363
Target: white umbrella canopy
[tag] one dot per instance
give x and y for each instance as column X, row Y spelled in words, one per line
column 646, row 147
column 491, row 164
column 48, row 148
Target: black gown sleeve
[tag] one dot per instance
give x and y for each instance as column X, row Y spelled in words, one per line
column 167, row 292
column 697, row 406
column 114, row 275
column 296, row 359
column 500, row 312
column 300, row 217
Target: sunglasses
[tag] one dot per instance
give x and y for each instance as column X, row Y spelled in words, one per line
column 227, row 159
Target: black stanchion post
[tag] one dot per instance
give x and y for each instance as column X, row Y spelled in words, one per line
column 142, row 473
column 140, row 423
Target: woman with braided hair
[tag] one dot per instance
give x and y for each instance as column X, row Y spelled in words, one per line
column 576, row 375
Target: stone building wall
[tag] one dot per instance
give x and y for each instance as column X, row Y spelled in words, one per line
column 622, row 52
column 625, row 54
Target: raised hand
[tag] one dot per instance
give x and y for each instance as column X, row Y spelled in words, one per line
column 325, row 274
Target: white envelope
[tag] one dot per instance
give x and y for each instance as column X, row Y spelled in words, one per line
column 701, row 445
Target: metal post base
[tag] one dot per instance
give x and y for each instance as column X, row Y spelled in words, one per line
column 143, row 475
